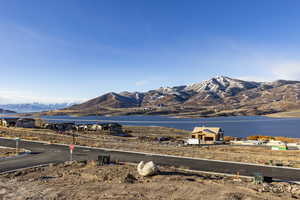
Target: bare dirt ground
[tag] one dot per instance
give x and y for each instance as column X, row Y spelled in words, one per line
column 86, row 180
column 145, row 139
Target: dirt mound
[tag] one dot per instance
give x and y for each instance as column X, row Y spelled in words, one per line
column 86, row 180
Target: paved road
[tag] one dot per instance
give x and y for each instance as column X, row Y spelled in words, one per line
column 53, row 153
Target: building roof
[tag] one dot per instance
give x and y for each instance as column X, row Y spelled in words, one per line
column 214, row 130
column 26, row 119
column 11, row 119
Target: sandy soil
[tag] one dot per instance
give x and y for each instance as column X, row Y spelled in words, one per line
column 79, row 180
column 145, row 140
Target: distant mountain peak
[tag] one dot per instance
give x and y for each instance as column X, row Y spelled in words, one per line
column 34, row 107
column 222, row 85
column 221, row 91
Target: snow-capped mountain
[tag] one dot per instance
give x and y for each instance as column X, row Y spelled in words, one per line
column 214, row 95
column 222, row 86
column 34, row 107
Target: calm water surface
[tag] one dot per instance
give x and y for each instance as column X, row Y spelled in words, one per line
column 234, row 126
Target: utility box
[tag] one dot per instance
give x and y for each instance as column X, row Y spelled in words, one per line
column 258, row 178
column 268, row 179
column 103, row 160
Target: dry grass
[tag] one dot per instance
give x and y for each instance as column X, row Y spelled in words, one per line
column 250, row 154
column 289, row 114
column 156, row 131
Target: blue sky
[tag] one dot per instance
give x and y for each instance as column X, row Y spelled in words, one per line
column 62, row 50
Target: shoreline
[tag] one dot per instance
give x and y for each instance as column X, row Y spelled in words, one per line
column 167, row 113
column 286, row 115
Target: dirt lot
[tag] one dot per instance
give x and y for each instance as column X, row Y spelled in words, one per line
column 80, row 180
column 146, row 139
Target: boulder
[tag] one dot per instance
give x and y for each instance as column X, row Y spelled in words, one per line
column 147, row 169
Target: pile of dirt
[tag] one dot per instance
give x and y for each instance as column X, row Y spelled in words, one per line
column 86, row 180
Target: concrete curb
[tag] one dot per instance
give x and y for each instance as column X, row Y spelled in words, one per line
column 20, row 169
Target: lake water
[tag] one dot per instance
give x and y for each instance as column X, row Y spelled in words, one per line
column 241, row 126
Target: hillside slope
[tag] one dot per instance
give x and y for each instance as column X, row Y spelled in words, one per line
column 219, row 96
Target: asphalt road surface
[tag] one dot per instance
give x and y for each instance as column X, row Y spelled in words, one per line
column 43, row 153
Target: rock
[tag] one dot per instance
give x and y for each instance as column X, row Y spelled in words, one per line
column 295, row 190
column 69, row 163
column 259, row 190
column 147, row 169
column 129, row 179
column 277, row 190
column 51, row 165
column 3, row 191
column 266, row 188
column 18, row 173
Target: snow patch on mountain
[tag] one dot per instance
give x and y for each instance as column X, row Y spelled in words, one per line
column 222, row 86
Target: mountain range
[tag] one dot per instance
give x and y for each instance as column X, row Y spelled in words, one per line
column 34, row 107
column 3, row 111
column 219, row 96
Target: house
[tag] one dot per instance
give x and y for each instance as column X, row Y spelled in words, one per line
column 8, row 122
column 29, row 123
column 81, row 127
column 111, row 127
column 61, row 126
column 208, row 135
column 3, row 123
column 94, row 127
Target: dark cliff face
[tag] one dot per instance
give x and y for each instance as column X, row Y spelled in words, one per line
column 220, row 93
